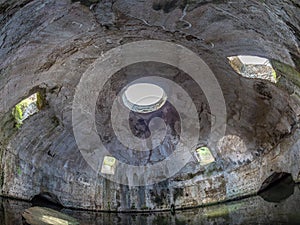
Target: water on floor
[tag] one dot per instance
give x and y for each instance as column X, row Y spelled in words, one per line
column 266, row 209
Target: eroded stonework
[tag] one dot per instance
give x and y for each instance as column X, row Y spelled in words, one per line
column 48, row 45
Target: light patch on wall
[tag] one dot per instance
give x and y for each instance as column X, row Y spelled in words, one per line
column 253, row 60
column 253, row 67
column 43, row 215
column 54, row 220
column 223, row 209
column 233, row 147
column 109, row 165
column 204, row 156
column 26, row 108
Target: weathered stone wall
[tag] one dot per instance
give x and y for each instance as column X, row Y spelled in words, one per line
column 240, row 212
column 50, row 44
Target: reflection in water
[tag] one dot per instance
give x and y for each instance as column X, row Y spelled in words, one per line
column 279, row 191
column 254, row 210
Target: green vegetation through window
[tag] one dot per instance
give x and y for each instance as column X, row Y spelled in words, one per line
column 204, row 156
column 27, row 108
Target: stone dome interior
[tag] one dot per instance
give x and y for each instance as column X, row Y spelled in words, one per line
column 46, row 47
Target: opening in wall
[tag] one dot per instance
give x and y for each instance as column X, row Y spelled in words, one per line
column 144, row 97
column 253, row 67
column 27, row 107
column 273, row 180
column 47, row 199
column 277, row 187
column 204, row 156
column 109, row 165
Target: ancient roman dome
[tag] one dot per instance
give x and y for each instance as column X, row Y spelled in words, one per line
column 248, row 126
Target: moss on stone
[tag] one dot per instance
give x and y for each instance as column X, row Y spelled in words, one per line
column 287, row 71
column 18, row 111
column 144, row 207
column 37, row 99
column 19, row 171
column 133, row 206
column 40, row 100
column 18, row 115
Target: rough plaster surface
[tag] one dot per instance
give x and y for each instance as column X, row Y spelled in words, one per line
column 238, row 212
column 48, row 45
